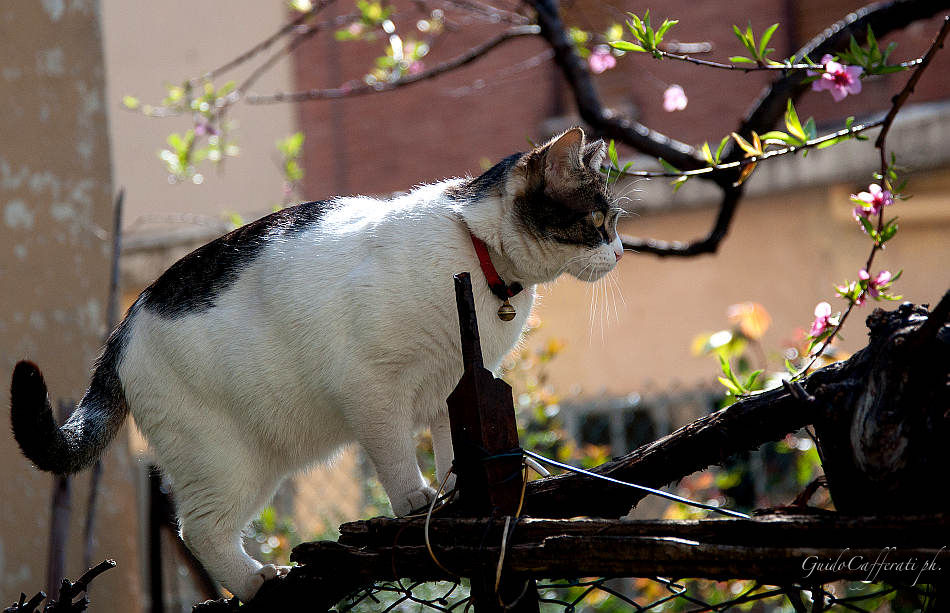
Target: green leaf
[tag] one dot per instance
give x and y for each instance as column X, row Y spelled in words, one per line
column 889, row 69
column 792, row 122
column 856, row 51
column 750, row 380
column 833, row 141
column 679, row 182
column 612, row 154
column 741, row 59
column 727, row 369
column 765, row 39
column 625, row 46
column 734, row 389
column 810, row 130
column 722, row 145
column 175, row 141
column 667, row 24
column 130, row 102
column 888, row 233
column 777, row 135
column 707, row 154
column 887, row 52
column 667, row 165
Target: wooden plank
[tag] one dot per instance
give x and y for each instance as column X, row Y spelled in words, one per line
column 826, row 530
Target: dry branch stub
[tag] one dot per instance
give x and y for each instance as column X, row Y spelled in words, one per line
column 883, row 431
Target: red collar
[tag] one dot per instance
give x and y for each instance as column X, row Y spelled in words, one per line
column 498, row 287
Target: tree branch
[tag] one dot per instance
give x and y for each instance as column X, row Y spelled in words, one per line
column 359, row 88
column 905, row 93
column 883, row 18
column 588, row 102
column 261, row 46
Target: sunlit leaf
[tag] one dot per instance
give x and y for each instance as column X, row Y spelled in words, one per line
column 765, row 39
column 625, row 46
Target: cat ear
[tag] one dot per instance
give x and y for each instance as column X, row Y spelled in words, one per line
column 594, row 154
column 563, row 155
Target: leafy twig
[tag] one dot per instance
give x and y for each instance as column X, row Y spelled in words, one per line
column 810, row 144
column 881, row 144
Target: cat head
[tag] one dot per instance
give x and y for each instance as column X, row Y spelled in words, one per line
column 554, row 210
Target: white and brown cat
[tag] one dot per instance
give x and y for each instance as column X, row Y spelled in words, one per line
column 266, row 350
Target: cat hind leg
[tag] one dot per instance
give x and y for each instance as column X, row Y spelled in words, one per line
column 212, row 525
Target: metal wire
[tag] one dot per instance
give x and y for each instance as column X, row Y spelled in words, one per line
column 643, row 488
column 602, row 594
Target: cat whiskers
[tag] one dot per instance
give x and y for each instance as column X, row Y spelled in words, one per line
column 624, row 195
column 563, row 268
column 616, row 285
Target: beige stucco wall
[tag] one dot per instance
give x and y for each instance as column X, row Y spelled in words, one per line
column 785, row 251
column 55, row 212
column 151, row 44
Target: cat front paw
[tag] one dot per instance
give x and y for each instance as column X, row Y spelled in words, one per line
column 414, row 502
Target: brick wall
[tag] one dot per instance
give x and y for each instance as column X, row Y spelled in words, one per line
column 389, row 141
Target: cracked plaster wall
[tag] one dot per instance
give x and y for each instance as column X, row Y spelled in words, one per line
column 55, row 211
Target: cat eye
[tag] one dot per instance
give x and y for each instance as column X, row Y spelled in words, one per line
column 598, row 218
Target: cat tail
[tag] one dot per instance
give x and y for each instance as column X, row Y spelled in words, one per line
column 88, row 431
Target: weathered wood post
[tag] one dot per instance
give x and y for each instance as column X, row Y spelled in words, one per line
column 487, row 465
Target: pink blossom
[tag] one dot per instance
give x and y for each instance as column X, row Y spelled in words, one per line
column 839, row 79
column 416, row 67
column 877, row 284
column 204, row 128
column 822, row 317
column 872, row 201
column 674, row 99
column 601, row 59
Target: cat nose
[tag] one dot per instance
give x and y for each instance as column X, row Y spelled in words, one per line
column 618, row 254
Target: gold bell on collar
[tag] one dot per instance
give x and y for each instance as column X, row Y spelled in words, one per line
column 506, row 312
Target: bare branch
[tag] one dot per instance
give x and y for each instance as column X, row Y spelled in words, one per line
column 708, row 244
column 905, row 93
column 298, row 40
column 488, row 12
column 263, row 45
column 359, row 88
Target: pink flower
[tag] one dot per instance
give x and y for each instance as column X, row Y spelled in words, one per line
column 876, row 285
column 872, row 201
column 674, row 99
column 416, row 67
column 821, row 323
column 204, row 128
column 839, row 79
column 601, row 59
